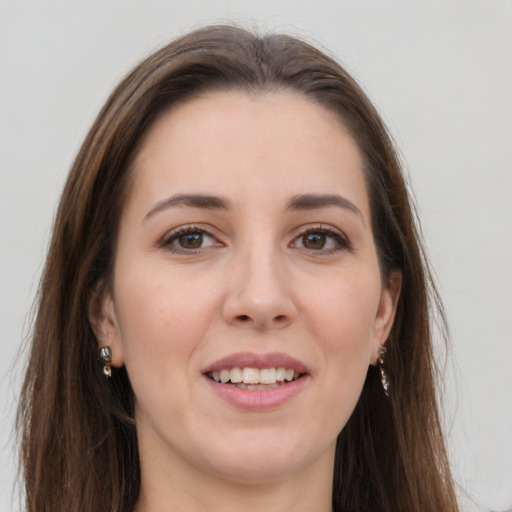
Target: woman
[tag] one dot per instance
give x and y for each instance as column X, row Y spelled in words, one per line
column 236, row 246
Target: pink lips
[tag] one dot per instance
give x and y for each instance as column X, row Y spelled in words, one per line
column 260, row 399
column 251, row 360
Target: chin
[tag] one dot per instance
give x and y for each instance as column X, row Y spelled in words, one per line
column 257, row 470
column 258, row 457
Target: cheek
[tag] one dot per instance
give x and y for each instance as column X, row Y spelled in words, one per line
column 344, row 309
column 160, row 316
column 342, row 316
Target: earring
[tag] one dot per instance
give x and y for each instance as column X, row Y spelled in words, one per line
column 105, row 356
column 383, row 376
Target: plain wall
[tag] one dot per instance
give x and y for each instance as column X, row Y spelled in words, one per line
column 440, row 72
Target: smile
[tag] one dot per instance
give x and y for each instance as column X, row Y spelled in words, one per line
column 257, row 382
column 255, row 378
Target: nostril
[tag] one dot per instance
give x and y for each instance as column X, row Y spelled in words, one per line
column 262, row 321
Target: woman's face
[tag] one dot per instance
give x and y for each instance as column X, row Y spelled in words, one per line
column 245, row 253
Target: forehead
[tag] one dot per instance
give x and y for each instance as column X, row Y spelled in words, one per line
column 262, row 145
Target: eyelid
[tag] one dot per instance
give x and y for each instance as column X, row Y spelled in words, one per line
column 342, row 240
column 175, row 233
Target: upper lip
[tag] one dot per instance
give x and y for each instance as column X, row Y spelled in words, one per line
column 252, row 360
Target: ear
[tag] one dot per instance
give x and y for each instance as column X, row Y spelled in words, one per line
column 103, row 320
column 386, row 313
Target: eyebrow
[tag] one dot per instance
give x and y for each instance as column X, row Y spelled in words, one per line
column 316, row 201
column 204, row 201
column 209, row 202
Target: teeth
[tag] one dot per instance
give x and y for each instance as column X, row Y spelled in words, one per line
column 254, row 378
column 268, row 376
column 236, row 375
column 251, row 376
column 252, row 387
column 289, row 375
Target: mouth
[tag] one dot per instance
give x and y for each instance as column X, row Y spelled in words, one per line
column 254, row 379
column 257, row 382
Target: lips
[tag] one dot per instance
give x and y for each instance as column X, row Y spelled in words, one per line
column 256, row 382
column 260, row 361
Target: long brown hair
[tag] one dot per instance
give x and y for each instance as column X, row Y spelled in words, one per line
column 78, row 438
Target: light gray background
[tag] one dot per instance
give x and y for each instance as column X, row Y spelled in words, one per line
column 439, row 71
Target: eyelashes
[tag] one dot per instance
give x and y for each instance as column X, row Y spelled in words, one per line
column 321, row 239
column 189, row 240
column 317, row 240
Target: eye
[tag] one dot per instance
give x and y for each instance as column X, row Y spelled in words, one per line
column 189, row 240
column 321, row 239
column 314, row 240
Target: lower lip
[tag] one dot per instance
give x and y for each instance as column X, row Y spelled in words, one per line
column 258, row 399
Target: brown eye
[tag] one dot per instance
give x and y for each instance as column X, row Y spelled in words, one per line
column 188, row 240
column 191, row 240
column 314, row 240
column 321, row 240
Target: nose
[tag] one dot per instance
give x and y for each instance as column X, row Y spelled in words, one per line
column 258, row 295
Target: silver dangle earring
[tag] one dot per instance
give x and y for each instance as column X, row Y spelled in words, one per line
column 383, row 376
column 105, row 356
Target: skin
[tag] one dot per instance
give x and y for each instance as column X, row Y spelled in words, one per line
column 256, row 283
